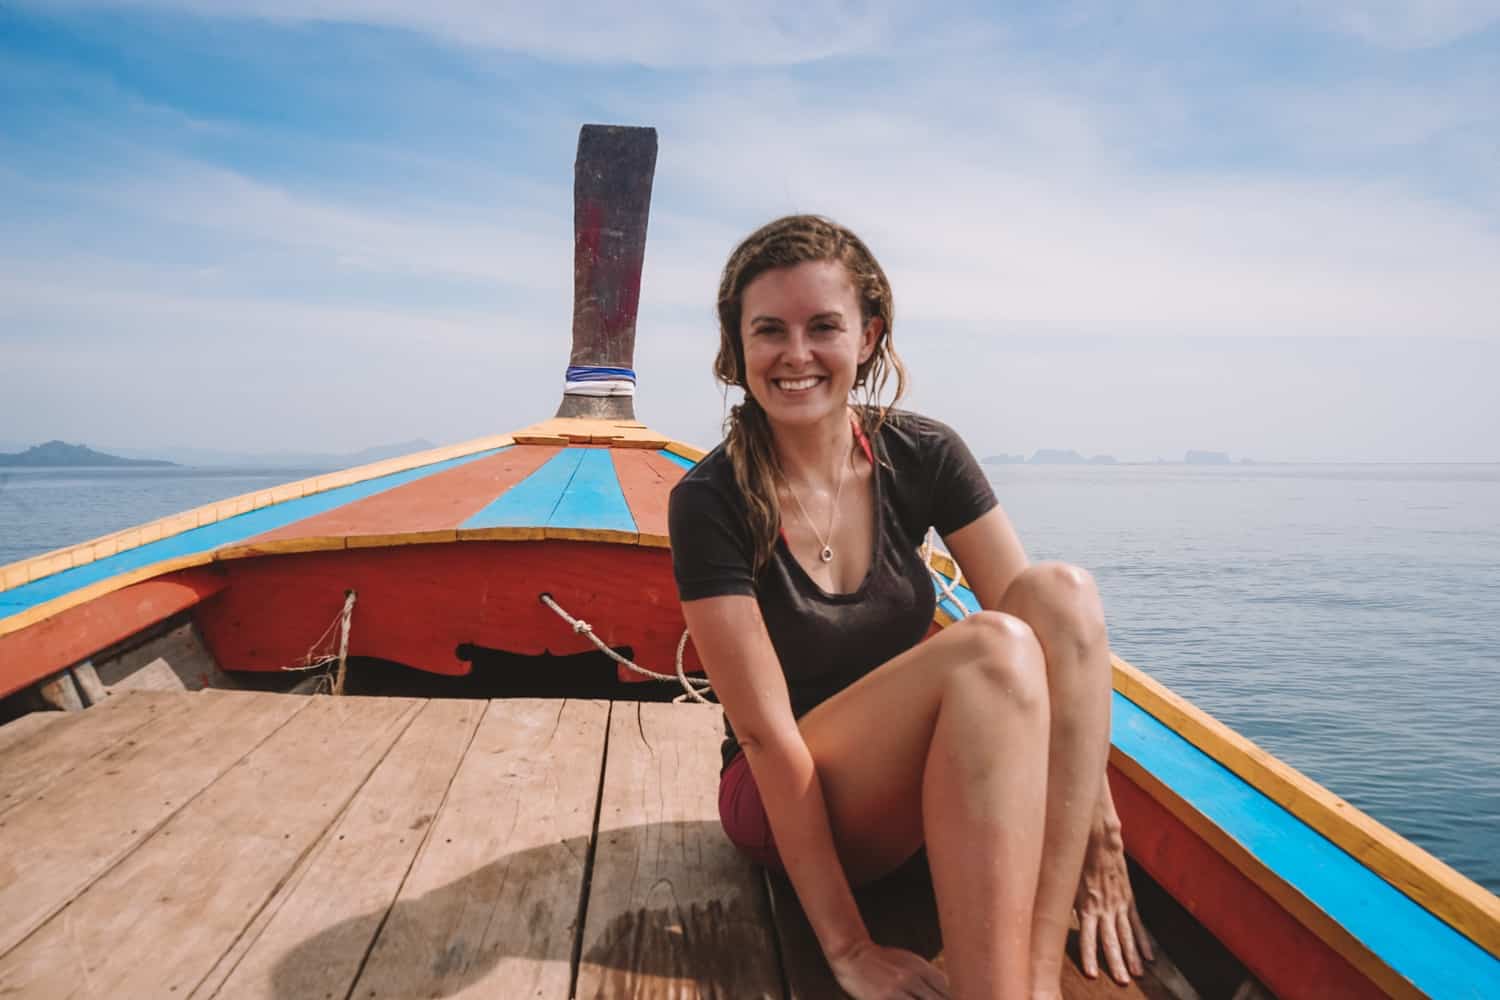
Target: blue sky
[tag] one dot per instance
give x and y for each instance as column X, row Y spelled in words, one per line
column 1133, row 228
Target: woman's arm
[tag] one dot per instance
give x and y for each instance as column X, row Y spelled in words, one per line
column 737, row 654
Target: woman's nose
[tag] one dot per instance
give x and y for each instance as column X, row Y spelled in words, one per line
column 798, row 346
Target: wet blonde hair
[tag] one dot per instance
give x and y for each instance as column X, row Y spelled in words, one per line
column 787, row 242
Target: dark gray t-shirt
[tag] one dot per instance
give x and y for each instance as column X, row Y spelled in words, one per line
column 924, row 476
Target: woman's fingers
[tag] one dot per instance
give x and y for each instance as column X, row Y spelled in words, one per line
column 1127, row 940
column 1113, row 959
column 1088, row 943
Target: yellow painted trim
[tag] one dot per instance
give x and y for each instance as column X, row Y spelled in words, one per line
column 409, row 538
column 653, row 541
column 501, row 534
column 1330, row 931
column 609, row 535
column 1461, row 903
column 49, row 563
column 686, row 451
column 279, row 547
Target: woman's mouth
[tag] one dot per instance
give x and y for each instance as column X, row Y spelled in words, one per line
column 797, row 384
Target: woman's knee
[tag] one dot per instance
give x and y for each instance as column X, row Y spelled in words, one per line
column 1002, row 654
column 1060, row 601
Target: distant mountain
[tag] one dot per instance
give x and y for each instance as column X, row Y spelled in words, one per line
column 1057, row 456
column 59, row 453
column 1206, row 458
column 288, row 459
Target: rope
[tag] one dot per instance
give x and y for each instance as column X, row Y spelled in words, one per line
column 313, row 660
column 598, row 380
column 944, row 584
column 692, row 687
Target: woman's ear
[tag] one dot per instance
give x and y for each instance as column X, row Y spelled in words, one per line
column 871, row 338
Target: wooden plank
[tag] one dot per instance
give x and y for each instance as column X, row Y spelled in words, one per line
column 1458, row 901
column 673, row 908
column 58, row 842
column 531, row 501
column 440, row 502
column 491, row 905
column 646, row 478
column 593, row 500
column 70, row 635
column 313, row 936
column 157, row 922
column 173, row 660
column 33, row 763
column 18, row 730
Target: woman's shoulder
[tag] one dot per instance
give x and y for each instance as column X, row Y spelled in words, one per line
column 712, row 476
column 911, row 433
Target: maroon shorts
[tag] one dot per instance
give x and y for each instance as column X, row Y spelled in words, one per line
column 744, row 817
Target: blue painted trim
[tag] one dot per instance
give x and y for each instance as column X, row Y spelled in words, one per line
column 593, row 497
column 213, row 536
column 1434, row 957
column 686, row 463
column 964, row 595
column 530, row 503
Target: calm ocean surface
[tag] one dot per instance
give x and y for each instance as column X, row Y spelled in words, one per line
column 1344, row 617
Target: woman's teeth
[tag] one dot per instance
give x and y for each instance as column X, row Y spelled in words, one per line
column 797, row 384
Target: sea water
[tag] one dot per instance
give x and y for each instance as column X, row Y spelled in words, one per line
column 1344, row 617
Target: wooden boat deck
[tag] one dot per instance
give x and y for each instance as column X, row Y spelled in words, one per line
column 237, row 844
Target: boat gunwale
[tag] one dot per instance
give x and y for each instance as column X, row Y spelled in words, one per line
column 1432, row 884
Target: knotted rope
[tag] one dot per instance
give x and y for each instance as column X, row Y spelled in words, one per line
column 313, row 660
column 944, row 584
column 692, row 687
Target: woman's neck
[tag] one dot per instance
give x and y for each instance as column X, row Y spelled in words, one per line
column 810, row 454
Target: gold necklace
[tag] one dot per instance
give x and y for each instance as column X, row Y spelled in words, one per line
column 826, row 553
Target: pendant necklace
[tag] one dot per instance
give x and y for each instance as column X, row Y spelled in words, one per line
column 826, row 553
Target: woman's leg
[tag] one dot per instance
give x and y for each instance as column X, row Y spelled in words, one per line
column 947, row 744
column 1061, row 605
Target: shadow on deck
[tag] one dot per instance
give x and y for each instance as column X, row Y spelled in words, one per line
column 224, row 844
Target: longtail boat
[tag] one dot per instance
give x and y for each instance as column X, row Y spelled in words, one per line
column 380, row 733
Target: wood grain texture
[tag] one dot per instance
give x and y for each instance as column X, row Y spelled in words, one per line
column 158, row 921
column 33, row 763
column 673, row 909
column 311, row 939
column 646, row 478
column 490, row 905
column 57, row 843
column 1458, row 901
column 178, row 652
column 438, row 502
column 20, row 730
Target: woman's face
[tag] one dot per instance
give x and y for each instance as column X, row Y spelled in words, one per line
column 803, row 341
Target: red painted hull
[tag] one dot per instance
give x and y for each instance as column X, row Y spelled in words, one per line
column 417, row 603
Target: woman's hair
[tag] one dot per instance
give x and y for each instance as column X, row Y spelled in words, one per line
column 787, row 242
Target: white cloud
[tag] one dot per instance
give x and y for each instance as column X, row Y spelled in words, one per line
column 658, row 35
column 1409, row 24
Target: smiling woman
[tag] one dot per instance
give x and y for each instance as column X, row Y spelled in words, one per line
column 852, row 743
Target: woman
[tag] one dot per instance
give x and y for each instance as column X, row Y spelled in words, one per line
column 852, row 743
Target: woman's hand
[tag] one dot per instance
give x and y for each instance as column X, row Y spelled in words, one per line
column 869, row 971
column 1107, row 918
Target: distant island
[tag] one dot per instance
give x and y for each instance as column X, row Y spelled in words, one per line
column 54, row 454
column 1206, row 458
column 1049, row 456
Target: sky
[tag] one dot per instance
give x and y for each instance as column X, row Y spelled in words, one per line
column 1131, row 228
